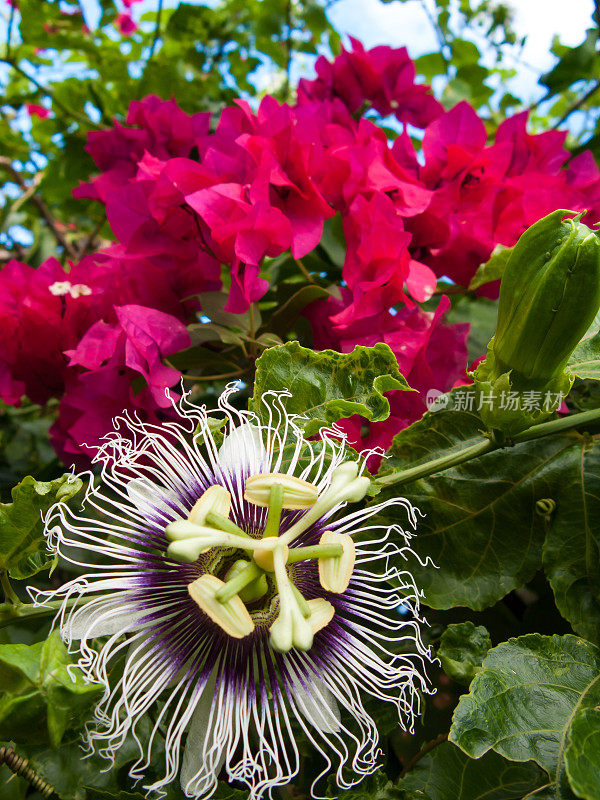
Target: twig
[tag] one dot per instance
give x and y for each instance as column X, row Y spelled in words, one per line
column 577, row 104
column 87, row 243
column 40, row 205
column 9, row 593
column 236, row 374
column 56, row 102
column 451, row 288
column 304, row 271
column 288, row 46
column 9, row 29
column 443, row 737
column 159, row 9
column 441, row 36
column 487, row 445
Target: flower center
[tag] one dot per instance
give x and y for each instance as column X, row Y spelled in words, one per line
column 208, row 526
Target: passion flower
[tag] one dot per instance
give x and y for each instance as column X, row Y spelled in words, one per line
column 244, row 602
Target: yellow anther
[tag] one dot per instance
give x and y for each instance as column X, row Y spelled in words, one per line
column 321, row 613
column 297, row 494
column 335, row 572
column 216, row 499
column 232, row 616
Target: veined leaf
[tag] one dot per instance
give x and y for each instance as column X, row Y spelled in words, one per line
column 22, row 543
column 327, row 386
column 447, row 773
column 524, row 701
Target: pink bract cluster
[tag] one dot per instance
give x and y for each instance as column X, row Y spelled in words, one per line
column 190, row 205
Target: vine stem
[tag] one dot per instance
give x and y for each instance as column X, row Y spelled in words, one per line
column 9, row 593
column 486, row 445
column 443, row 737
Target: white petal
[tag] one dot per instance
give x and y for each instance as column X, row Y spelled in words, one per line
column 152, row 499
column 196, row 771
column 317, row 704
column 243, row 450
column 101, row 620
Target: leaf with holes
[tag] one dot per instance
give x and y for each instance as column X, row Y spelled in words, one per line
column 328, row 386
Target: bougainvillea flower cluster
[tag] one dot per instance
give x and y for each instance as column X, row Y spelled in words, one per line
column 199, row 205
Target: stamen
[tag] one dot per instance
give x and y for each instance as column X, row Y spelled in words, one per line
column 321, row 613
column 216, row 499
column 232, row 616
column 345, row 486
column 315, row 551
column 335, row 572
column 297, row 494
column 223, row 523
column 189, row 541
column 276, row 496
column 303, row 605
column 246, row 579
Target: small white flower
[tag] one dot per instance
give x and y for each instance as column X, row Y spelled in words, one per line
column 238, row 621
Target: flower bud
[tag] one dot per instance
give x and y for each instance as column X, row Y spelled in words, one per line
column 549, row 296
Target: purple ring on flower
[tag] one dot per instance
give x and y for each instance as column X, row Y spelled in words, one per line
column 224, row 702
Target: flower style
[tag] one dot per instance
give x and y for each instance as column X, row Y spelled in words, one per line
column 247, row 609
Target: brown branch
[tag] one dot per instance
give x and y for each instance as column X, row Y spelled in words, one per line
column 40, row 205
column 441, row 36
column 443, row 737
column 577, row 105
column 88, row 242
column 57, row 104
column 9, row 29
column 157, row 31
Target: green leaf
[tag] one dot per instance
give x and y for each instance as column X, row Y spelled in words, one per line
column 572, row 548
column 375, row 787
column 582, row 754
column 40, row 698
column 585, row 359
column 22, row 543
column 523, row 701
column 285, row 315
column 430, row 65
column 481, row 314
column 12, row 787
column 576, row 64
column 493, row 269
column 463, row 647
column 480, row 528
column 447, row 773
column 328, row 386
